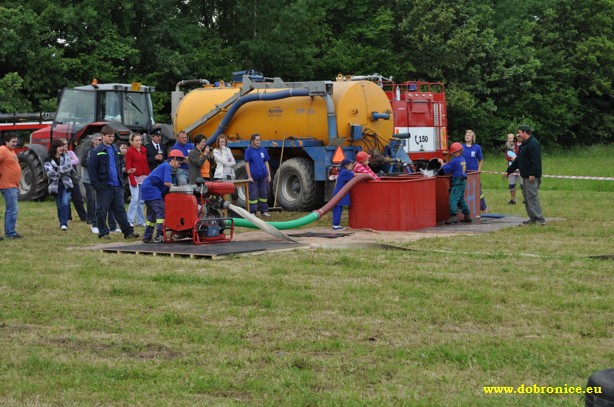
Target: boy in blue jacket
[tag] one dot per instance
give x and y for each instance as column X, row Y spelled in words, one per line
column 345, row 175
column 457, row 167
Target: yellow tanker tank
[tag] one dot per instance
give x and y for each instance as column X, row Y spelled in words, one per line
column 299, row 116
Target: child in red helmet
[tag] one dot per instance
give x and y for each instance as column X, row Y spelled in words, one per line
column 152, row 189
column 457, row 167
column 362, row 165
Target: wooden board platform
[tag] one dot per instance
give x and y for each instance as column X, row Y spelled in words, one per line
column 207, row 251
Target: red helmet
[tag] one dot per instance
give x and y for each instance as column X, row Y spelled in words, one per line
column 361, row 156
column 176, row 154
column 455, row 147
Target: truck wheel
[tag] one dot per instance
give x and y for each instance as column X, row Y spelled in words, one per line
column 296, row 189
column 33, row 182
column 240, row 173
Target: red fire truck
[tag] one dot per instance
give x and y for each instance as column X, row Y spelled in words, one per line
column 23, row 124
column 420, row 118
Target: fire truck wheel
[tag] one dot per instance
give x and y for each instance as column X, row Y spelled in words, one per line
column 33, row 183
column 296, row 188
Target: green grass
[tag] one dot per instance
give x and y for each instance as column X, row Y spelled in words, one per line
column 430, row 326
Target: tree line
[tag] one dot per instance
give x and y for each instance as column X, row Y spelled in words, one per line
column 547, row 63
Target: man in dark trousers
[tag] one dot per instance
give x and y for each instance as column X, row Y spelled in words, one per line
column 529, row 162
column 156, row 151
column 105, row 171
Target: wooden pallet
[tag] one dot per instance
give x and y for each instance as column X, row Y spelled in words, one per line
column 207, row 251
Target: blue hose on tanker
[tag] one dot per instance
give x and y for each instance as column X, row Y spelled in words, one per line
column 252, row 97
column 313, row 216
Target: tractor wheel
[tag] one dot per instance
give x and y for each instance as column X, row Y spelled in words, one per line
column 81, row 150
column 83, row 147
column 296, row 188
column 241, row 174
column 33, row 182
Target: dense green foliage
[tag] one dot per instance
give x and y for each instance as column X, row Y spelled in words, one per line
column 549, row 63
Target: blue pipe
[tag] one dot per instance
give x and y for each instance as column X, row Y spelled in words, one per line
column 252, row 97
column 376, row 116
column 332, row 118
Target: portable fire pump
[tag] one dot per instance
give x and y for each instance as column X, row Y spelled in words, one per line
column 196, row 212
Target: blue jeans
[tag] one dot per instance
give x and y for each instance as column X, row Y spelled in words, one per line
column 62, row 201
column 181, row 176
column 135, row 210
column 12, row 209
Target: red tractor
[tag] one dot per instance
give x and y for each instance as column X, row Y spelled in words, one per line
column 82, row 111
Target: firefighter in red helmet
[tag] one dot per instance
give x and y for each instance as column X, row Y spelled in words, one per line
column 153, row 188
column 457, row 167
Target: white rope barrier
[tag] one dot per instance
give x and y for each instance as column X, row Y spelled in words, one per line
column 562, row 176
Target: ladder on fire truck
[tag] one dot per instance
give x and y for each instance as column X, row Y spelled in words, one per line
column 25, row 121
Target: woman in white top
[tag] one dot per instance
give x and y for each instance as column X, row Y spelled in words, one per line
column 225, row 162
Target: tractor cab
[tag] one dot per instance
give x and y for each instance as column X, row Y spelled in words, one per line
column 82, row 111
column 85, row 109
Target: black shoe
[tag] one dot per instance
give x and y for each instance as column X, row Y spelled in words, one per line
column 132, row 236
column 15, row 236
column 453, row 219
column 512, row 202
column 104, row 237
column 467, row 219
column 157, row 239
column 529, row 222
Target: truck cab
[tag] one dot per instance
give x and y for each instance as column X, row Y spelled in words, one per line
column 420, row 116
column 85, row 109
column 82, row 111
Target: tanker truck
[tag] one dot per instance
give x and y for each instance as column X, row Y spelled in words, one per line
column 307, row 128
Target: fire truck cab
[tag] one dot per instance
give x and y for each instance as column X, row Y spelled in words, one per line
column 419, row 113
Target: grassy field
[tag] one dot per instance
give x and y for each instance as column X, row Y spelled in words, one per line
column 428, row 327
